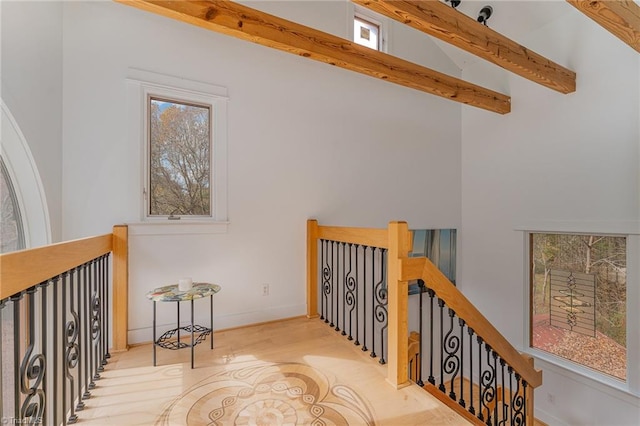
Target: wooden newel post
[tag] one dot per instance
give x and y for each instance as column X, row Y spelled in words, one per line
column 530, row 420
column 312, row 268
column 120, row 287
column 398, row 299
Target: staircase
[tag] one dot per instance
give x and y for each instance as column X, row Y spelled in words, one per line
column 457, row 354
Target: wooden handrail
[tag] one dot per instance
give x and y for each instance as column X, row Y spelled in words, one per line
column 371, row 237
column 454, row 299
column 22, row 269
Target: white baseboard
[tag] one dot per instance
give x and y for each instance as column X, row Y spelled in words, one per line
column 548, row 418
column 221, row 322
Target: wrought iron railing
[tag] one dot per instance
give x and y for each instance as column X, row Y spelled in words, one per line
column 354, row 294
column 462, row 358
column 55, row 332
column 459, row 356
column 456, row 361
column 348, row 272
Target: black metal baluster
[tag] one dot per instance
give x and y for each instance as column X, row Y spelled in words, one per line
column 64, row 283
column 16, row 353
column 441, row 306
column 503, row 418
column 462, row 324
column 87, row 332
column 480, row 381
column 91, row 365
column 56, row 319
column 337, row 286
column 373, row 303
column 101, row 287
column 380, row 310
column 95, row 322
column 81, row 277
column 524, row 401
column 322, row 276
column 420, row 350
column 364, row 299
column 344, row 289
column 472, row 409
column 333, row 305
column 106, row 322
column 357, row 299
column 494, row 355
column 351, row 288
column 510, row 371
column 326, row 282
column 452, row 361
column 518, row 405
column 488, row 378
column 2, row 305
column 432, row 295
column 32, row 370
column 71, row 347
column 384, row 311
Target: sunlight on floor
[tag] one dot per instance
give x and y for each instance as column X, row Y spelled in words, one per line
column 293, row 372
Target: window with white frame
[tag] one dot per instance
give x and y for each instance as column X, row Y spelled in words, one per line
column 182, row 129
column 366, row 32
column 179, row 160
column 578, row 299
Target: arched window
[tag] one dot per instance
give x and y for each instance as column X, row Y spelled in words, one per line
column 11, row 229
column 25, row 216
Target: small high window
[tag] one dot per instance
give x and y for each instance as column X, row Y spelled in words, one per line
column 578, row 298
column 366, row 33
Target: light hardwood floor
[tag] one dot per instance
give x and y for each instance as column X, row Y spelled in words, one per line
column 297, row 371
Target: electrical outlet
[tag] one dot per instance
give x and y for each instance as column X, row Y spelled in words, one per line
column 265, row 289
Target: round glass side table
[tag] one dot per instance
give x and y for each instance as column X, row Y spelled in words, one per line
column 170, row 293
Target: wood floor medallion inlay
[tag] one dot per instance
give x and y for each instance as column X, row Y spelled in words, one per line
column 268, row 394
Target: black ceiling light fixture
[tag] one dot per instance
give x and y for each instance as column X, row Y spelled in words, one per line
column 485, row 14
column 454, row 3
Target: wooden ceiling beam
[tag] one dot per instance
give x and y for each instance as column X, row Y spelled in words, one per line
column 447, row 24
column 619, row 17
column 245, row 23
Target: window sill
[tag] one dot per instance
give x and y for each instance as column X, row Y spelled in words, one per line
column 182, row 227
column 602, row 382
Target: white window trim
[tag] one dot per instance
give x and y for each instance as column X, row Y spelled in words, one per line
column 575, row 371
column 24, row 175
column 373, row 17
column 141, row 85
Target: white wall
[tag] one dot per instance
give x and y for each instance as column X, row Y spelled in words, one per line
column 555, row 162
column 306, row 140
column 31, row 34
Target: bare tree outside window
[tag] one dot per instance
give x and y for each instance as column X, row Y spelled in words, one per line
column 180, row 159
column 579, row 299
